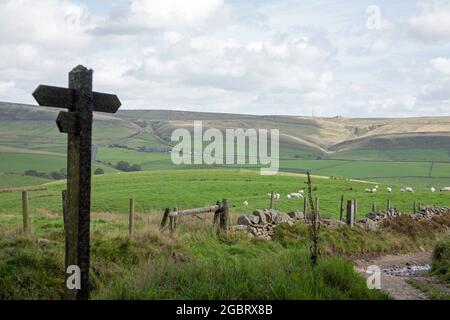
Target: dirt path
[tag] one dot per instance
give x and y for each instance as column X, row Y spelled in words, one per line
column 396, row 270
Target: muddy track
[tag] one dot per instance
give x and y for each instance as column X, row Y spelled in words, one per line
column 396, row 270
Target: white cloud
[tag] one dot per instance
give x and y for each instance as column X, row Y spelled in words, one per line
column 442, row 65
column 57, row 24
column 433, row 21
column 265, row 57
column 140, row 15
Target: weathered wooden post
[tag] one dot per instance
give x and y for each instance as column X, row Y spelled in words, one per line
column 173, row 220
column 64, row 207
column 414, row 207
column 316, row 207
column 272, row 194
column 225, row 216
column 217, row 212
column 350, row 213
column 80, row 101
column 165, row 217
column 341, row 208
column 131, row 219
column 388, row 204
column 374, row 207
column 305, row 208
column 26, row 213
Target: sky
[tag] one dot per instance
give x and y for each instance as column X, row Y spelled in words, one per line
column 353, row 58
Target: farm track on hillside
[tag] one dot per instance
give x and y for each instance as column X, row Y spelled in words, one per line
column 395, row 285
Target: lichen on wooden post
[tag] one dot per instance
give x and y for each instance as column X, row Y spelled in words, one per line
column 350, row 213
column 131, row 218
column 25, row 213
column 224, row 216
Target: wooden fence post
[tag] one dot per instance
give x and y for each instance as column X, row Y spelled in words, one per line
column 305, row 208
column 388, row 204
column 374, row 207
column 217, row 212
column 173, row 221
column 350, row 214
column 131, row 219
column 225, row 216
column 26, row 213
column 64, row 207
column 414, row 207
column 165, row 217
column 272, row 194
column 341, row 209
column 316, row 207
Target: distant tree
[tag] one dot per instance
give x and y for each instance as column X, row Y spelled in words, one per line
column 31, row 173
column 123, row 166
column 57, row 175
column 136, row 167
column 99, row 171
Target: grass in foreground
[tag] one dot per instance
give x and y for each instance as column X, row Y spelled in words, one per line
column 196, row 263
column 441, row 260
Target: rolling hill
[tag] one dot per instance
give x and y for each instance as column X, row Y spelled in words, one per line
column 413, row 151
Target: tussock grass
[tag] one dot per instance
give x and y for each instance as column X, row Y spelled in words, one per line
column 441, row 260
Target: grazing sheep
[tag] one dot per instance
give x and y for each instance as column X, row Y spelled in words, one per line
column 276, row 196
column 296, row 195
column 445, row 189
column 288, row 196
column 376, row 187
column 374, row 190
column 368, row 190
column 402, row 190
column 409, row 189
column 432, row 189
column 245, row 203
column 389, row 189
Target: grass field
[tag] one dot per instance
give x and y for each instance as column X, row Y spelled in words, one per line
column 155, row 191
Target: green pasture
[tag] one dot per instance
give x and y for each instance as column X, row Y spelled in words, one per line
column 156, row 190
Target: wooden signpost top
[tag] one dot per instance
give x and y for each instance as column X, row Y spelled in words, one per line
column 80, row 101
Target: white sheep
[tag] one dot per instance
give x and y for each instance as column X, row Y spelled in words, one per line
column 376, row 187
column 374, row 190
column 245, row 203
column 276, row 196
column 288, row 196
column 402, row 190
column 368, row 190
column 389, row 189
column 409, row 189
column 445, row 189
column 433, row 189
column 296, row 195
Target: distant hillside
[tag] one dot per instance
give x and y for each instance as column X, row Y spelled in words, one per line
column 406, row 151
column 318, row 135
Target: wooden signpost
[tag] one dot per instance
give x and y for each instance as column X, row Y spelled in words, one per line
column 80, row 101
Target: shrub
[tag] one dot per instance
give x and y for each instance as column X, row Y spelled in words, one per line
column 99, row 171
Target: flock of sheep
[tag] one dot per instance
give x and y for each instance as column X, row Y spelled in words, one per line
column 301, row 193
column 406, row 189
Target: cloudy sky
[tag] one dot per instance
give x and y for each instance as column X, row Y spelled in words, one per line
column 321, row 57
